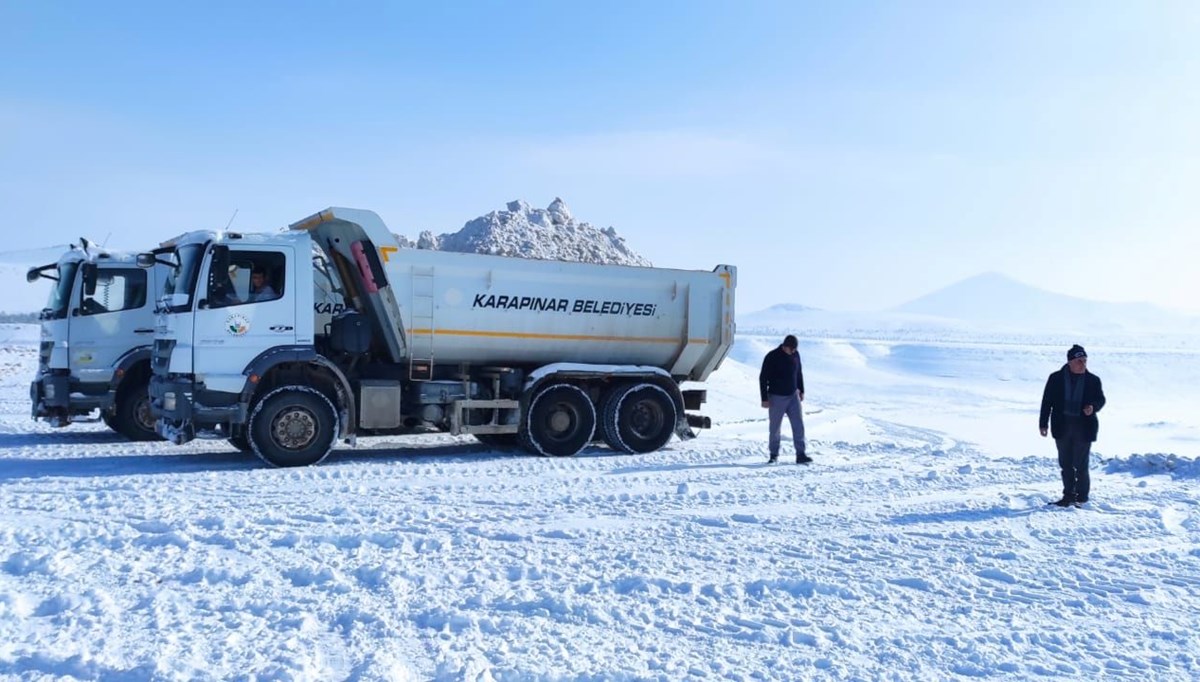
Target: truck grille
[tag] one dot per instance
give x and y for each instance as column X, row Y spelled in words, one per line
column 160, row 360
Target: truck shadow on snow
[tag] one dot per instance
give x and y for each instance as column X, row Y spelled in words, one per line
column 132, row 464
column 166, row 461
column 439, row 453
column 468, row 452
column 59, row 438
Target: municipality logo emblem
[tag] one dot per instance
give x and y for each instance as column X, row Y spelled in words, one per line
column 237, row 325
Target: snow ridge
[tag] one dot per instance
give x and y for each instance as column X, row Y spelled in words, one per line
column 1152, row 463
column 551, row 233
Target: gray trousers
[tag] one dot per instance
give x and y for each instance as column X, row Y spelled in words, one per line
column 777, row 406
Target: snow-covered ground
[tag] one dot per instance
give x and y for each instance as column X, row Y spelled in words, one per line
column 917, row 547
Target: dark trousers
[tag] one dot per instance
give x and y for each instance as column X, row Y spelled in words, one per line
column 1074, row 455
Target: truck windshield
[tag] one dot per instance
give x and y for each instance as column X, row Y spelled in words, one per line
column 182, row 279
column 60, row 293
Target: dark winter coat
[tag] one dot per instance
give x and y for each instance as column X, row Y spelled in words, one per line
column 1054, row 400
column 781, row 374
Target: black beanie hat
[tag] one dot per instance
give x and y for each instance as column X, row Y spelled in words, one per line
column 791, row 342
column 1076, row 351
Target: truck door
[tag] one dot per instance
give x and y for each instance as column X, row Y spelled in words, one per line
column 114, row 313
column 246, row 308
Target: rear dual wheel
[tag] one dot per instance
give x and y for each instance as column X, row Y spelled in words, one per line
column 639, row 418
column 560, row 421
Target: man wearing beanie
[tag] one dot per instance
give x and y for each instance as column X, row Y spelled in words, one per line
column 781, row 383
column 1070, row 401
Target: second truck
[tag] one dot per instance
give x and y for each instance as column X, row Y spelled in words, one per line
column 548, row 355
column 96, row 334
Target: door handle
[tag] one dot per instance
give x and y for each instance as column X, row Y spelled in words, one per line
column 144, row 330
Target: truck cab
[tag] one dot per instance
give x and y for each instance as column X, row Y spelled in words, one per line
column 234, row 305
column 96, row 334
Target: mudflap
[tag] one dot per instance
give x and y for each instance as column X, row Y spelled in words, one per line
column 684, row 430
column 177, row 435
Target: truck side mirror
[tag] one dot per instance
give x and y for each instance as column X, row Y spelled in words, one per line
column 89, row 279
column 33, row 274
column 146, row 260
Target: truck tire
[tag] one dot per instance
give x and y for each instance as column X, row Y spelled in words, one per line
column 293, row 426
column 499, row 440
column 560, row 421
column 133, row 418
column 638, row 419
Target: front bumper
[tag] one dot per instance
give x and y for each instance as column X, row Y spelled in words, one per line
column 57, row 397
column 185, row 409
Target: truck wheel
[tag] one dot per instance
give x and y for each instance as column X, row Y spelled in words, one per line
column 560, row 421
column 499, row 440
column 109, row 420
column 133, row 418
column 293, row 426
column 638, row 419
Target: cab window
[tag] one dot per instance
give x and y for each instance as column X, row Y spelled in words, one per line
column 248, row 277
column 116, row 290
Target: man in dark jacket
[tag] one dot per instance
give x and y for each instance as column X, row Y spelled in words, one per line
column 1070, row 401
column 781, row 383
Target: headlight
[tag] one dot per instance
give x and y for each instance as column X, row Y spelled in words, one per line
column 169, row 401
column 48, row 390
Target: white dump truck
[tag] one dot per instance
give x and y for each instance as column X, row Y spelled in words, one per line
column 97, row 330
column 547, row 355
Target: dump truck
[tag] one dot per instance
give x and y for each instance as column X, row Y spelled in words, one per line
column 547, row 355
column 97, row 331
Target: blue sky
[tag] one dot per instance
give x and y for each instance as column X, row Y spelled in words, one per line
column 842, row 155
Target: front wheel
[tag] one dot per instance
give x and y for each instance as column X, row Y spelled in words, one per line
column 293, row 426
column 133, row 418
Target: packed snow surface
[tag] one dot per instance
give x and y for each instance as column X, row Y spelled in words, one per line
column 918, row 546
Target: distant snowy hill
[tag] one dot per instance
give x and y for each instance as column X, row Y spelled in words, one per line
column 551, row 233
column 987, row 306
column 1000, row 300
column 813, row 322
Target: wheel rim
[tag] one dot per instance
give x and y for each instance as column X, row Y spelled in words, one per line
column 561, row 422
column 294, row 429
column 142, row 414
column 646, row 418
